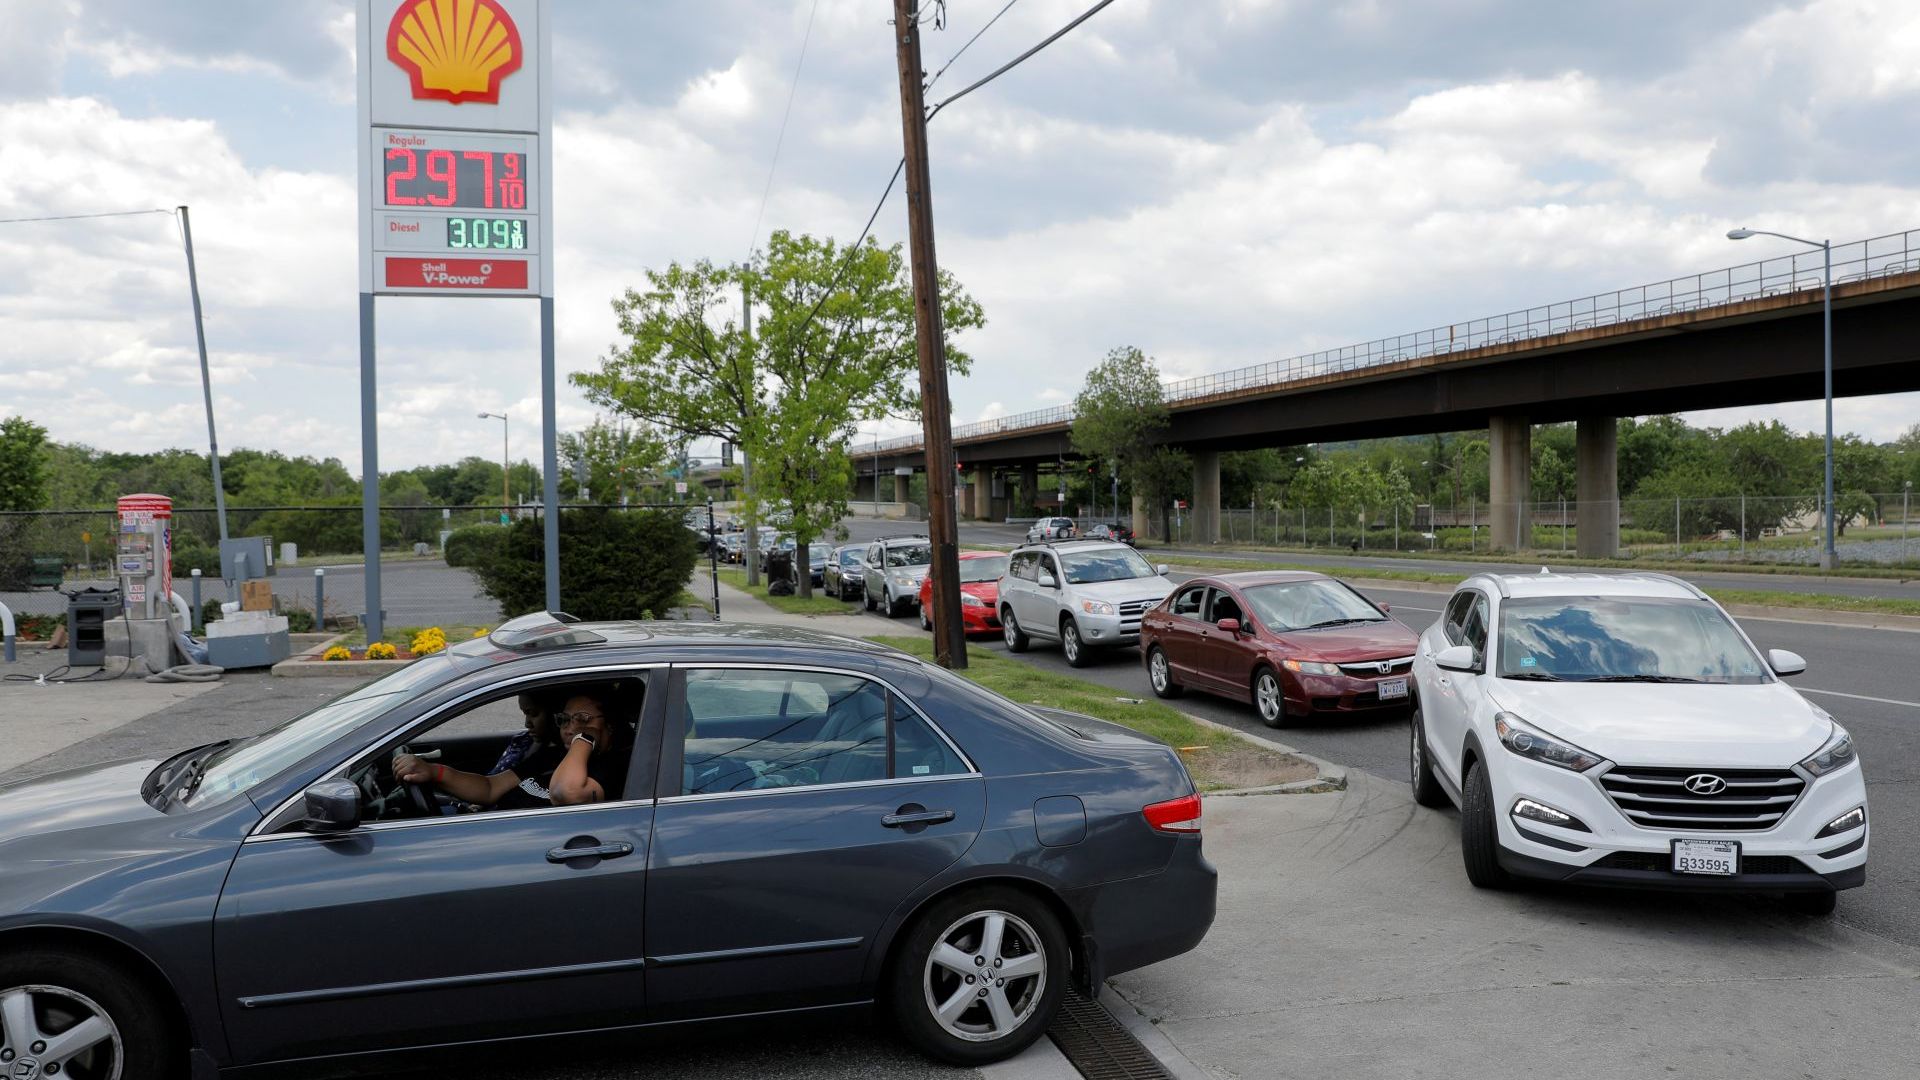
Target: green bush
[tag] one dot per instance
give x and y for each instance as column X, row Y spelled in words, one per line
column 474, row 544
column 299, row 620
column 192, row 553
column 614, row 564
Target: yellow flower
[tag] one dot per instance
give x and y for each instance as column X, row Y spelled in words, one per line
column 338, row 652
column 482, row 632
column 381, row 650
column 428, row 643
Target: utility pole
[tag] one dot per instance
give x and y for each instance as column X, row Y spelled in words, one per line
column 750, row 548
column 206, row 380
column 949, row 640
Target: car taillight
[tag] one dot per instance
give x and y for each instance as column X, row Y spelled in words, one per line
column 1175, row 816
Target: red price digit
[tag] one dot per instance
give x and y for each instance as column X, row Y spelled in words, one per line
column 440, row 167
column 486, row 174
column 407, row 172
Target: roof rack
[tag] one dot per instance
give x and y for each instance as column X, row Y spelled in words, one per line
column 1498, row 582
column 1647, row 575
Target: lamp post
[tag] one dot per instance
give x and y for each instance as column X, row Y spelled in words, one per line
column 1827, row 556
column 506, row 470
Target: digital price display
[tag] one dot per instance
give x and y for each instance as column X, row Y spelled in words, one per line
column 466, row 179
column 490, row 234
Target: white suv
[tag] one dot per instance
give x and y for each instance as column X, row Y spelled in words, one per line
column 1051, row 528
column 1621, row 730
column 1087, row 594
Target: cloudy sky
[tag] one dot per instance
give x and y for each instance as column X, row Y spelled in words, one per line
column 1220, row 182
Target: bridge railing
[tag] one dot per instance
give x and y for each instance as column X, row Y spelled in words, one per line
column 1797, row 272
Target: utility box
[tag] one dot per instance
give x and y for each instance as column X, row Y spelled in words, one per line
column 88, row 612
column 248, row 639
column 143, row 554
column 246, row 558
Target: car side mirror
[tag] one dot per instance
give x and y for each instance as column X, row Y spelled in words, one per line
column 1231, row 626
column 1384, row 607
column 1456, row 658
column 1785, row 663
column 1047, row 581
column 1161, row 569
column 332, row 806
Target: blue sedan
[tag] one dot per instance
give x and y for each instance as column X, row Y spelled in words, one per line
column 570, row 827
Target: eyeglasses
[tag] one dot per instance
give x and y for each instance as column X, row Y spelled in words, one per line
column 565, row 718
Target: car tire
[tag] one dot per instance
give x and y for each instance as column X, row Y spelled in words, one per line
column 1426, row 788
column 1813, row 904
column 1160, row 674
column 68, row 988
column 866, row 598
column 1269, row 699
column 1079, row 654
column 1016, row 638
column 918, row 984
column 1479, row 832
column 926, row 623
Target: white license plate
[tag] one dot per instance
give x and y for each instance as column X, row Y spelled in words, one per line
column 1719, row 857
column 1392, row 688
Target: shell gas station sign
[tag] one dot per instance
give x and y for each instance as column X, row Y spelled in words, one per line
column 455, row 108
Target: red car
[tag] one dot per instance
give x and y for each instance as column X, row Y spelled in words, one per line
column 1293, row 643
column 980, row 574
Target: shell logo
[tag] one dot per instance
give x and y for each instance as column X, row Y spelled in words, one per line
column 454, row 50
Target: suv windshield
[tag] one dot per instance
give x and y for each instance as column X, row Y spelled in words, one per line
column 244, row 763
column 909, row 555
column 989, row 569
column 1623, row 639
column 1301, row 605
column 1106, row 564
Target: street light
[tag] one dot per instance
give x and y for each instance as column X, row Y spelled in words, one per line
column 506, row 470
column 1827, row 556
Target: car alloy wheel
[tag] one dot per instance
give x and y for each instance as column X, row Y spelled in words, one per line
column 926, row 623
column 1015, row 637
column 56, row 1031
column 1160, row 675
column 1268, row 700
column 1426, row 789
column 986, row 976
column 1070, row 643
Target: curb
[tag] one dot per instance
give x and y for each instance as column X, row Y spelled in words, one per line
column 298, row 666
column 1170, row 1056
column 1332, row 777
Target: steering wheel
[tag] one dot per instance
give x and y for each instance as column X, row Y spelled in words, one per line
column 419, row 794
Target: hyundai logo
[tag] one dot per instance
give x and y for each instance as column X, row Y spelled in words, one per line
column 1705, row 784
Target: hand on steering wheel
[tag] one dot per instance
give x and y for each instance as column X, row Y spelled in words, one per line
column 420, row 794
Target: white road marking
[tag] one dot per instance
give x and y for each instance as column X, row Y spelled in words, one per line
column 1859, row 697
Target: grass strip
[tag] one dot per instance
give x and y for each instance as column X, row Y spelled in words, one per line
column 1218, row 759
column 817, row 604
column 1731, row 566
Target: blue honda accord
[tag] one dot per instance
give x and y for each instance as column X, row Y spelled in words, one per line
column 569, row 827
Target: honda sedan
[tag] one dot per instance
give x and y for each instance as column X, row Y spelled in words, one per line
column 568, row 827
column 1293, row 643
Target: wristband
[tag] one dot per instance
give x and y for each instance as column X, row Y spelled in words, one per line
column 583, row 736
column 439, row 773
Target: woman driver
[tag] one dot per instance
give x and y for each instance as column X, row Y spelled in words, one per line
column 584, row 767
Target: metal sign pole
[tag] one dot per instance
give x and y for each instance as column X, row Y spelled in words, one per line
column 206, row 380
column 550, row 455
column 370, row 471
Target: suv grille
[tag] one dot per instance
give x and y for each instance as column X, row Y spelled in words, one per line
column 1657, row 798
column 1130, row 613
column 1663, row 862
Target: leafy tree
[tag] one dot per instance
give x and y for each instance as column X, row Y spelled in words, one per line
column 617, row 456
column 1161, row 477
column 23, row 464
column 1120, row 415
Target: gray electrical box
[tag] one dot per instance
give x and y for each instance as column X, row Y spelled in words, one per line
column 246, row 558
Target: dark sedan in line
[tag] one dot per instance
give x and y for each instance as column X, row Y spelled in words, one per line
column 845, row 577
column 568, row 827
column 1291, row 643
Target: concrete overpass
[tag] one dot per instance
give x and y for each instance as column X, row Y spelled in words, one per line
column 1743, row 335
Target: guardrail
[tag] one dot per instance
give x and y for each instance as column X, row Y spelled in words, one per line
column 1858, row 260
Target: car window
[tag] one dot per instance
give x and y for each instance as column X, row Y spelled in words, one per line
column 1224, row 607
column 1189, row 601
column 1658, row 639
column 1456, row 616
column 909, row 554
column 753, row 730
column 1109, row 564
column 1475, row 628
column 1308, row 604
column 988, row 568
column 1049, row 566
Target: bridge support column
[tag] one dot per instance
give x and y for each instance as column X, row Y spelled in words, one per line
column 900, row 487
column 864, row 488
column 1510, row 469
column 1596, row 456
column 1144, row 523
column 982, row 485
column 1029, row 488
column 1206, row 497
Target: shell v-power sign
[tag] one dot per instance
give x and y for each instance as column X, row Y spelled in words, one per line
column 454, row 158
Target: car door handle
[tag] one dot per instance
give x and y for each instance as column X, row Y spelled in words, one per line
column 922, row 817
column 603, row 851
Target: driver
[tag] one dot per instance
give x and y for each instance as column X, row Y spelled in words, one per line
column 586, row 766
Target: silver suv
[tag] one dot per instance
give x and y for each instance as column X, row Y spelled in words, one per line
column 1050, row 528
column 892, row 570
column 1086, row 594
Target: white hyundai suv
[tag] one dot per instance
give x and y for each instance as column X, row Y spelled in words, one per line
column 1622, row 730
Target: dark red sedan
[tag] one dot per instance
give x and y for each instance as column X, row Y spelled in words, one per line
column 980, row 574
column 1293, row 643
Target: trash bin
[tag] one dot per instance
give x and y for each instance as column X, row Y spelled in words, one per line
column 48, row 572
column 88, row 612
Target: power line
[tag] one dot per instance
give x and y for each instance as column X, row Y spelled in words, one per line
column 969, row 44
column 1018, row 60
column 78, row 217
column 781, row 138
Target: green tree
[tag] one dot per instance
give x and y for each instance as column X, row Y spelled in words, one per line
column 616, row 455
column 1121, row 411
column 23, row 464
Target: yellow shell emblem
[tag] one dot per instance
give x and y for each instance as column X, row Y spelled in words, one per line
column 454, row 50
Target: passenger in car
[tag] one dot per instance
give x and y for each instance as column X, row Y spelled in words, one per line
column 587, row 765
column 538, row 712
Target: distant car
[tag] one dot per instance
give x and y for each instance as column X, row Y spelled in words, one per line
column 732, row 546
column 980, row 574
column 791, row 821
column 819, row 553
column 1050, row 528
column 1110, row 530
column 891, row 570
column 1088, row 595
column 843, row 578
column 1291, row 643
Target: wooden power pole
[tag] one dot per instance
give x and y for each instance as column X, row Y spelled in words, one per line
column 949, row 639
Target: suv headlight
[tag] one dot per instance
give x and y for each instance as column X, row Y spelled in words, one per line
column 1311, row 667
column 1835, row 755
column 1096, row 607
column 1529, row 742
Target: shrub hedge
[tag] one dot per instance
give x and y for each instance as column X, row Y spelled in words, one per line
column 614, row 564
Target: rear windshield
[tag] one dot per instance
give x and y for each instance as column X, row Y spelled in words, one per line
column 1623, row 639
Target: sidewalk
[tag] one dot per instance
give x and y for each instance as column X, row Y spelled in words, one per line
column 737, row 605
column 1348, row 943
